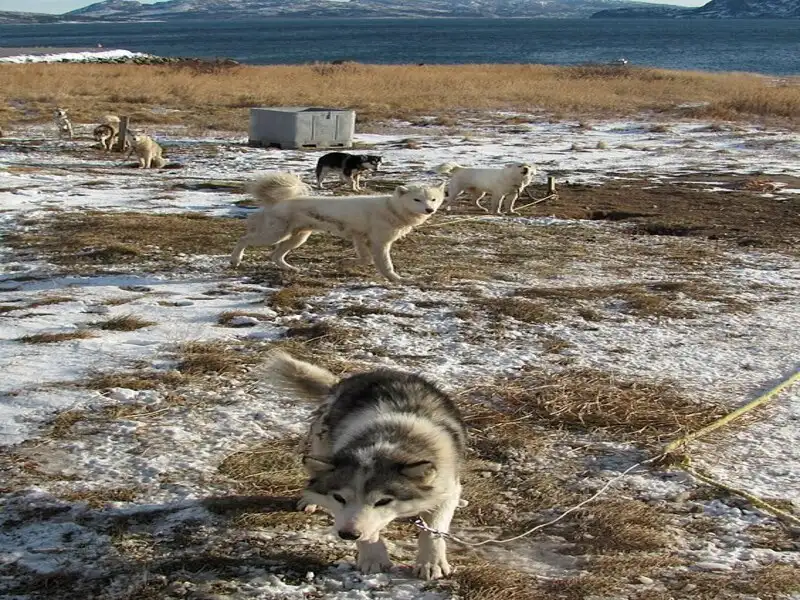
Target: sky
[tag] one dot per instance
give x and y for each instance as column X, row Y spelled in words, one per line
column 61, row 6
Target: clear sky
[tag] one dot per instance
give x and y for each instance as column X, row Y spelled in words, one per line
column 61, row 6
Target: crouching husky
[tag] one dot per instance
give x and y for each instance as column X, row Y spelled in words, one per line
column 505, row 181
column 62, row 122
column 348, row 166
column 383, row 445
column 373, row 223
column 148, row 152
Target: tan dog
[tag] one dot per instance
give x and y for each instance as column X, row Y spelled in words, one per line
column 148, row 152
column 62, row 122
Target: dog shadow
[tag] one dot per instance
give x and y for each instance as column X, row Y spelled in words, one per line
column 64, row 549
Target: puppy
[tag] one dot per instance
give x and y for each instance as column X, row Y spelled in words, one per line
column 62, row 122
column 383, row 445
column 348, row 166
column 508, row 181
column 373, row 223
column 148, row 152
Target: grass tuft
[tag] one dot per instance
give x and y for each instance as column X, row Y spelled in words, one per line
column 51, row 338
column 124, row 323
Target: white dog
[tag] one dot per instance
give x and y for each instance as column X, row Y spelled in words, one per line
column 148, row 152
column 508, row 181
column 374, row 223
column 63, row 124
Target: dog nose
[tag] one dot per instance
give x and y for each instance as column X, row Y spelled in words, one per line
column 349, row 535
column 525, row 171
column 429, row 210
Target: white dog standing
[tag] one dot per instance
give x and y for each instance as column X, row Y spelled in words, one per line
column 290, row 214
column 508, row 181
column 63, row 124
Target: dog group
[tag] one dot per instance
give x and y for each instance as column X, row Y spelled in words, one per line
column 290, row 212
column 146, row 149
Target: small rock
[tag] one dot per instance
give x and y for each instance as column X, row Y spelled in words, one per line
column 97, row 309
column 644, row 580
column 122, row 394
column 243, row 321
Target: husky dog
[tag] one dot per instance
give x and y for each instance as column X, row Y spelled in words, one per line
column 348, row 166
column 290, row 214
column 106, row 135
column 62, row 122
column 148, row 152
column 383, row 445
column 505, row 181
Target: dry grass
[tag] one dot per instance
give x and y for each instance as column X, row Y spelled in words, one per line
column 123, row 323
column 207, row 358
column 99, row 497
column 656, row 299
column 520, row 309
column 598, row 402
column 51, row 338
column 219, row 98
column 292, row 297
column 618, row 525
column 88, row 238
column 135, row 380
column 273, row 468
column 49, row 301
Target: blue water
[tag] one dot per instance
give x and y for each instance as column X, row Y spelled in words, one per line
column 765, row 46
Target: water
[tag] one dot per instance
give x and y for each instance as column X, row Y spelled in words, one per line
column 765, row 46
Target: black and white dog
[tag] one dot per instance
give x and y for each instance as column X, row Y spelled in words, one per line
column 348, row 166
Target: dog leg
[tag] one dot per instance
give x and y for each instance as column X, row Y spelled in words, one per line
column 514, row 196
column 432, row 551
column 283, row 248
column 451, row 195
column 478, row 202
column 497, row 201
column 373, row 557
column 383, row 260
column 362, row 250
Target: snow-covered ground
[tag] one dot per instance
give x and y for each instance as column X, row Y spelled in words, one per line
column 172, row 462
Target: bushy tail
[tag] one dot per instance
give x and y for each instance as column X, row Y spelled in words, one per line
column 278, row 187
column 312, row 382
column 448, row 167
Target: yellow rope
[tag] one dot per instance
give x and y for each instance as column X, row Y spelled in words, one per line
column 754, row 500
column 685, row 464
column 762, row 399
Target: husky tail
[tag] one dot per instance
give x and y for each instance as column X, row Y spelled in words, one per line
column 278, row 187
column 312, row 382
column 448, row 168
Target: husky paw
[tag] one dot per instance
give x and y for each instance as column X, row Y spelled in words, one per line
column 373, row 559
column 306, row 506
column 433, row 569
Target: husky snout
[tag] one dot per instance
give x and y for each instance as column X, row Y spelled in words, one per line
column 349, row 534
column 430, row 211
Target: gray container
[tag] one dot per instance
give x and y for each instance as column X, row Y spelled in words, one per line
column 302, row 127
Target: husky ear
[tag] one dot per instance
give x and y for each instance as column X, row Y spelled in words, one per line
column 401, row 189
column 423, row 471
column 316, row 465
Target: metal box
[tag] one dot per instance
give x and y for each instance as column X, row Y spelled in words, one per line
column 302, row 127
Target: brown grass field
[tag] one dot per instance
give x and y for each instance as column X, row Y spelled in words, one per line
column 217, row 97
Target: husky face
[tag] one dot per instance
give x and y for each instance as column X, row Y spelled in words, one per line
column 365, row 496
column 420, row 199
column 371, row 161
column 526, row 171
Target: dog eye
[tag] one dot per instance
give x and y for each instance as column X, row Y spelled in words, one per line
column 339, row 498
column 384, row 501
column 417, row 200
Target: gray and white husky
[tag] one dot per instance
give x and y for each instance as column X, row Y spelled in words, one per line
column 383, row 445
